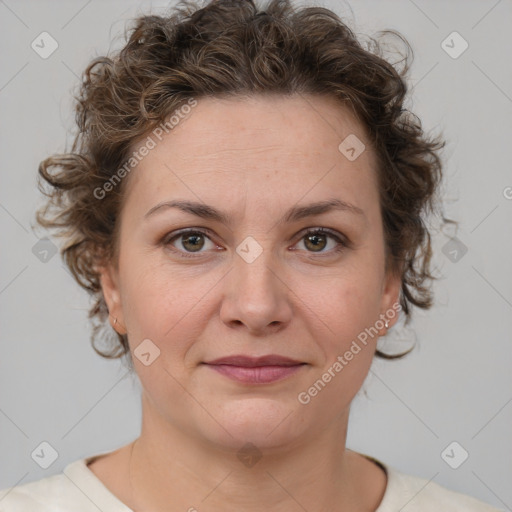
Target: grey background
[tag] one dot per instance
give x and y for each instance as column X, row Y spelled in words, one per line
column 455, row 386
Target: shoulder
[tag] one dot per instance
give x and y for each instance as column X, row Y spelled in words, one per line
column 41, row 495
column 414, row 494
column 76, row 488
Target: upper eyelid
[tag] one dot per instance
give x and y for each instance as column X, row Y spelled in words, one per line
column 209, row 233
column 175, row 234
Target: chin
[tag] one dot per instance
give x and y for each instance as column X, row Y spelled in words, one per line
column 264, row 422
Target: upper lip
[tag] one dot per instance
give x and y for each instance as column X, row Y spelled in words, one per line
column 252, row 362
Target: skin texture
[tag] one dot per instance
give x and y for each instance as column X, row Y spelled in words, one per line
column 252, row 158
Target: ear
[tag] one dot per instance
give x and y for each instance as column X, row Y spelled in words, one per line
column 109, row 279
column 390, row 302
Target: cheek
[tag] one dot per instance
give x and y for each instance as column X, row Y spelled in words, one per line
column 359, row 308
column 161, row 304
column 349, row 309
column 346, row 302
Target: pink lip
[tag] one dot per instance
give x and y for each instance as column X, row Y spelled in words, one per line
column 256, row 370
column 252, row 362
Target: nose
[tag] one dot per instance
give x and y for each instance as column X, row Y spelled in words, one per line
column 256, row 297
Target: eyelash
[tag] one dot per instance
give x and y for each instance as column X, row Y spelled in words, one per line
column 342, row 244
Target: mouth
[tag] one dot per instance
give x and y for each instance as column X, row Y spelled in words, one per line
column 256, row 370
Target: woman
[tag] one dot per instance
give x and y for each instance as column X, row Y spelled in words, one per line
column 245, row 201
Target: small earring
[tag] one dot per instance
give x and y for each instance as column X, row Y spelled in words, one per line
column 386, row 323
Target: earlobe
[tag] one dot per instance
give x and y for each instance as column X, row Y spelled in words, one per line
column 110, row 288
column 391, row 300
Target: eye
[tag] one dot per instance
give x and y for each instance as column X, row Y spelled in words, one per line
column 188, row 242
column 317, row 239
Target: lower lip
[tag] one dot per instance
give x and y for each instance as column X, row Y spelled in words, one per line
column 256, row 375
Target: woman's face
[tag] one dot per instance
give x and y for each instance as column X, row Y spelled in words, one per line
column 253, row 283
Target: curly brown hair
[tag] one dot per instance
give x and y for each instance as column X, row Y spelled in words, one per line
column 232, row 48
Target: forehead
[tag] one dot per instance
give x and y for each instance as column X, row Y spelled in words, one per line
column 304, row 124
column 286, row 144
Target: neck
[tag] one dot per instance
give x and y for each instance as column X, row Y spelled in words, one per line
column 172, row 470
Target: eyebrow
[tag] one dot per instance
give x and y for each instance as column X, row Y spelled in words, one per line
column 294, row 214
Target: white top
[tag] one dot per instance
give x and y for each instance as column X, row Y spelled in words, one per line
column 78, row 489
